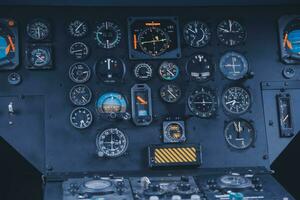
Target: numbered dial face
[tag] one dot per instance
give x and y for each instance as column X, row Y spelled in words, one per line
column 108, row 35
column 79, row 51
column 168, row 71
column 80, row 73
column 143, row 71
column 111, row 102
column 111, row 143
column 196, row 34
column 78, row 28
column 154, row 41
column 236, row 100
column 170, row 93
column 231, row 32
column 110, row 70
column 40, row 56
column 203, row 102
column 81, row 118
column 80, row 95
column 239, row 134
column 38, row 30
column 234, row 66
column 174, row 132
column 200, row 68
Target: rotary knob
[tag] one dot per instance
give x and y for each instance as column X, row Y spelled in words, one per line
column 176, row 197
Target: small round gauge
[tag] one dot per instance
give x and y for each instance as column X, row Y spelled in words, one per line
column 154, row 41
column 239, row 134
column 108, row 35
column 38, row 29
column 97, row 184
column 200, row 68
column 79, row 51
column 196, row 34
column 143, row 71
column 170, row 93
column 110, row 70
column 111, row 102
column 79, row 72
column 39, row 56
column 174, row 132
column 231, row 32
column 233, row 65
column 168, row 71
column 111, row 143
column 80, row 95
column 78, row 28
column 81, row 118
column 203, row 102
column 236, row 100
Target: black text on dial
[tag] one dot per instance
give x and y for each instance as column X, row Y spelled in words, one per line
column 81, row 118
column 197, row 34
column 143, row 71
column 200, row 68
column 231, row 32
column 78, row 28
column 80, row 73
column 170, row 93
column 80, row 95
column 108, row 35
column 38, row 29
column 79, row 51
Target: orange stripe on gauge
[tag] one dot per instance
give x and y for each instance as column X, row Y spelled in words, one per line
column 152, row 24
column 134, row 41
column 141, row 100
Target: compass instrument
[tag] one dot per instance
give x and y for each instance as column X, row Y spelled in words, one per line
column 108, row 35
column 79, row 51
column 81, row 118
column 38, row 29
column 78, row 28
column 80, row 95
column 200, row 68
column 170, row 93
column 79, row 72
column 285, row 119
column 40, row 57
column 168, row 71
column 196, row 34
column 143, row 71
column 231, row 32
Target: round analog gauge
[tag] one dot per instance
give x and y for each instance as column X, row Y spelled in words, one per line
column 170, row 93
column 174, row 132
column 154, row 41
column 200, row 68
column 231, row 32
column 79, row 51
column 80, row 95
column 239, row 134
column 196, row 34
column 234, row 66
column 111, row 103
column 98, row 184
column 7, row 46
column 81, row 118
column 108, row 35
column 236, row 100
column 143, row 71
column 203, row 102
column 110, row 70
column 80, row 73
column 78, row 28
column 111, row 143
column 38, row 30
column 168, row 71
column 40, row 56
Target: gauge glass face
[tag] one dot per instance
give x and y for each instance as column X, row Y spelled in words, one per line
column 80, row 95
column 291, row 37
column 78, row 28
column 143, row 71
column 81, row 118
column 80, row 73
column 174, row 132
column 38, row 30
column 112, row 142
column 168, row 71
column 110, row 70
column 231, row 32
column 236, row 100
column 40, row 56
column 203, row 102
column 234, row 66
column 239, row 134
column 108, row 35
column 111, row 103
column 200, row 68
column 97, row 184
column 79, row 51
column 170, row 93
column 7, row 45
column 197, row 34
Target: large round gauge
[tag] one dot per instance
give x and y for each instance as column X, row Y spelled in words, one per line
column 79, row 51
column 231, row 32
column 79, row 73
column 236, row 100
column 108, row 35
column 78, row 28
column 196, row 34
column 8, row 47
column 168, row 71
column 143, row 71
column 239, row 134
column 170, row 93
column 291, row 38
column 154, row 41
column 81, row 118
column 38, row 29
column 203, row 102
column 111, row 103
column 110, row 70
column 80, row 95
column 111, row 143
column 40, row 57
column 233, row 65
column 200, row 68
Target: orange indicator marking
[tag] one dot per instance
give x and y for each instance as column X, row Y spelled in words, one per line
column 152, row 23
column 134, row 41
column 141, row 100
